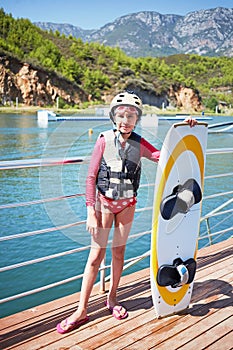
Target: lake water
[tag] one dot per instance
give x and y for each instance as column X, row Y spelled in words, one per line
column 22, row 138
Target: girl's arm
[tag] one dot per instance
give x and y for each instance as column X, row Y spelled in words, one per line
column 92, row 221
column 93, row 169
column 149, row 151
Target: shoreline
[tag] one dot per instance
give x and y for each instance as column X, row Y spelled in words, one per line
column 91, row 111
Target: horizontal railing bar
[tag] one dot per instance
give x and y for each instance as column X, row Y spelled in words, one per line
column 217, row 195
column 46, row 200
column 136, row 259
column 36, row 163
column 38, row 232
column 218, row 175
column 216, row 214
column 147, row 185
column 39, row 201
column 73, row 251
column 220, row 207
column 40, row 289
column 44, row 258
column 128, row 262
column 216, row 233
column 52, row 285
column 139, row 210
column 32, row 163
column 57, row 255
column 219, row 151
column 140, row 234
column 53, row 229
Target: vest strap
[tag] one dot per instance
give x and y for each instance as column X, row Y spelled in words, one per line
column 121, row 175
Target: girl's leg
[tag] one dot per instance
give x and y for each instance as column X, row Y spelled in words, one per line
column 96, row 255
column 123, row 224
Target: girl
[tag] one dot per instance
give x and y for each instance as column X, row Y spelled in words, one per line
column 114, row 170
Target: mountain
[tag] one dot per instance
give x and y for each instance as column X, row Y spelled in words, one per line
column 37, row 67
column 148, row 33
column 66, row 29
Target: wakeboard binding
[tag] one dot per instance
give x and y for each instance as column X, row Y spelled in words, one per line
column 175, row 275
column 182, row 198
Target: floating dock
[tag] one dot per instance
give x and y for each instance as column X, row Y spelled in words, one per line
column 207, row 324
column 45, row 116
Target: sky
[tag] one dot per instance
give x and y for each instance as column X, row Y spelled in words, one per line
column 93, row 14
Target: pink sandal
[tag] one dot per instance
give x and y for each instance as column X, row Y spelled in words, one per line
column 73, row 325
column 116, row 311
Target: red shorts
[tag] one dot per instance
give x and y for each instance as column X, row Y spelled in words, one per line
column 108, row 205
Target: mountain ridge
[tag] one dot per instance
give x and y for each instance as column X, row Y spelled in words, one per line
column 149, row 33
column 39, row 66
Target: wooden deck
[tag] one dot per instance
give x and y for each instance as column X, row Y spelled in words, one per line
column 207, row 324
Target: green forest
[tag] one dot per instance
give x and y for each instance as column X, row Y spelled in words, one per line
column 98, row 68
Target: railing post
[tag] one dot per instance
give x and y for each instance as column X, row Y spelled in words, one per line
column 102, row 276
column 208, row 231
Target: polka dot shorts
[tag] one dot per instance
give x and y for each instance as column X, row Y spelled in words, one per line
column 108, row 205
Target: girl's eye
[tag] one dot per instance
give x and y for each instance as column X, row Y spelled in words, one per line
column 128, row 116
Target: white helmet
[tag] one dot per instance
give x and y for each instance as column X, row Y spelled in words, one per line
column 125, row 99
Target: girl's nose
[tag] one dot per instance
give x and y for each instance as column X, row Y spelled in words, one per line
column 126, row 119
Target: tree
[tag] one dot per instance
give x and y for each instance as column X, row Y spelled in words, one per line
column 211, row 103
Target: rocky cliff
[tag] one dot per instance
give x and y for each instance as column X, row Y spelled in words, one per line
column 34, row 86
column 177, row 96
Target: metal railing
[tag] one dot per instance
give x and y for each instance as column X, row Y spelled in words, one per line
column 217, row 212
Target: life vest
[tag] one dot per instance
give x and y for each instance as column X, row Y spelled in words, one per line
column 120, row 168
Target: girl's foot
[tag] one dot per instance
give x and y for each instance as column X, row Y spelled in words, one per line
column 71, row 323
column 118, row 311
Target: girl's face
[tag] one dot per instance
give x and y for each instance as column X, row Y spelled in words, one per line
column 126, row 118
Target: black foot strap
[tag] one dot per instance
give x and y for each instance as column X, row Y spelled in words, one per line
column 182, row 198
column 177, row 274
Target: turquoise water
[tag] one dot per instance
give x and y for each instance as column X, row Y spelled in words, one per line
column 22, row 138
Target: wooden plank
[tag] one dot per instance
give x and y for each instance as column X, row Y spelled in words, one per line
column 199, row 328
column 207, row 338
column 216, row 269
column 97, row 312
column 68, row 304
column 108, row 325
column 117, row 334
column 224, row 343
column 195, row 310
column 168, row 336
column 143, row 331
column 103, row 338
column 215, row 248
column 138, row 337
column 213, row 259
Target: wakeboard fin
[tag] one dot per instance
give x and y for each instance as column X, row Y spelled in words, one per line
column 177, row 274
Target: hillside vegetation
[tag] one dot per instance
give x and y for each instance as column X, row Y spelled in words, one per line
column 99, row 69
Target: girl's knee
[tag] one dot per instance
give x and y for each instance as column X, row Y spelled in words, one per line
column 96, row 257
column 118, row 252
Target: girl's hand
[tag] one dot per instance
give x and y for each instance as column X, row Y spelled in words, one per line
column 192, row 122
column 92, row 222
